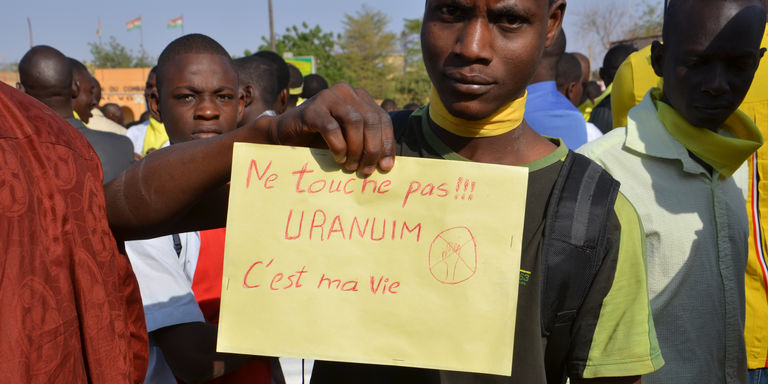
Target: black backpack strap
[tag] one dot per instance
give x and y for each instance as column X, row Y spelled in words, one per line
column 177, row 244
column 572, row 251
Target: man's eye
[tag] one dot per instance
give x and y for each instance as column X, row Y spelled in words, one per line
column 186, row 98
column 512, row 21
column 225, row 97
column 449, row 11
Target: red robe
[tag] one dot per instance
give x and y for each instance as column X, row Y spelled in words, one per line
column 71, row 309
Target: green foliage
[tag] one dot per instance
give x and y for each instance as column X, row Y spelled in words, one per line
column 306, row 41
column 412, row 85
column 115, row 55
column 368, row 48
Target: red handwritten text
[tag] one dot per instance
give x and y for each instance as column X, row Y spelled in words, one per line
column 323, row 227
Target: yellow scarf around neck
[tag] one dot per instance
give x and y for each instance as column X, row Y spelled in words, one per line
column 502, row 121
column 74, row 113
column 725, row 154
column 155, row 136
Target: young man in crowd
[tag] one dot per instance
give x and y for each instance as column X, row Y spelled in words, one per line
column 46, row 74
column 601, row 113
column 295, row 82
column 568, row 80
column 150, row 135
column 197, row 97
column 258, row 82
column 99, row 121
column 313, row 84
column 681, row 162
column 283, row 79
column 480, row 56
column 547, row 110
column 114, row 113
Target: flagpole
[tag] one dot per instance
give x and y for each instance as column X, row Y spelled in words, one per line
column 182, row 24
column 271, row 28
column 141, row 35
column 29, row 25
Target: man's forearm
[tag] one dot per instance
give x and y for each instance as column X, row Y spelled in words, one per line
column 148, row 199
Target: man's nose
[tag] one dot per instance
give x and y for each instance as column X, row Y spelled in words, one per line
column 475, row 41
column 206, row 109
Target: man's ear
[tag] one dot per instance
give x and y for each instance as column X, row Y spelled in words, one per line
column 245, row 98
column 282, row 101
column 154, row 105
column 247, row 95
column 657, row 58
column 556, row 13
column 570, row 91
column 75, row 89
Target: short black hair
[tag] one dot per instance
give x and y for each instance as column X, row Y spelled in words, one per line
column 193, row 43
column 388, row 105
column 617, row 54
column 313, row 84
column 568, row 70
column 558, row 46
column 45, row 72
column 260, row 74
column 674, row 7
column 77, row 65
column 613, row 59
column 283, row 73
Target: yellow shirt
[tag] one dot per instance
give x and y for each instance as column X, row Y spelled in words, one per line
column 587, row 106
column 755, row 105
column 634, row 78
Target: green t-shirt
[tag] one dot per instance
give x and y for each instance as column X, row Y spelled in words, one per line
column 613, row 334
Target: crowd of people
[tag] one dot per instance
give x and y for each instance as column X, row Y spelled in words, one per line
column 642, row 242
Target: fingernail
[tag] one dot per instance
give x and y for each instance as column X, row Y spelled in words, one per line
column 369, row 170
column 387, row 163
column 351, row 167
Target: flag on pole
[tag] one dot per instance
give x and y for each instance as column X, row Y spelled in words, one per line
column 98, row 27
column 176, row 23
column 133, row 24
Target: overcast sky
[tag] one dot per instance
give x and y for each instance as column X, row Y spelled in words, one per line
column 238, row 25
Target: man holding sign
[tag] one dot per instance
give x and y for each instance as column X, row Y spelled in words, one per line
column 480, row 55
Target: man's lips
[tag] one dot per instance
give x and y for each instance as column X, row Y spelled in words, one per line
column 204, row 133
column 714, row 109
column 469, row 83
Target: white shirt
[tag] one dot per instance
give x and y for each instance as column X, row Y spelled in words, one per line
column 165, row 282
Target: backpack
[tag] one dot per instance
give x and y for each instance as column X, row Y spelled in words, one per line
column 574, row 238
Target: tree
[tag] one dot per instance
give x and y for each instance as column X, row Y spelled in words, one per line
column 413, row 85
column 603, row 20
column 115, row 55
column 649, row 23
column 305, row 41
column 369, row 50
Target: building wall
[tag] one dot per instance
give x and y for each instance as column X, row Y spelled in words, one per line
column 124, row 87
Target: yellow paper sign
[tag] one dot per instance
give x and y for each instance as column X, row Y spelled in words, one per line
column 416, row 267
